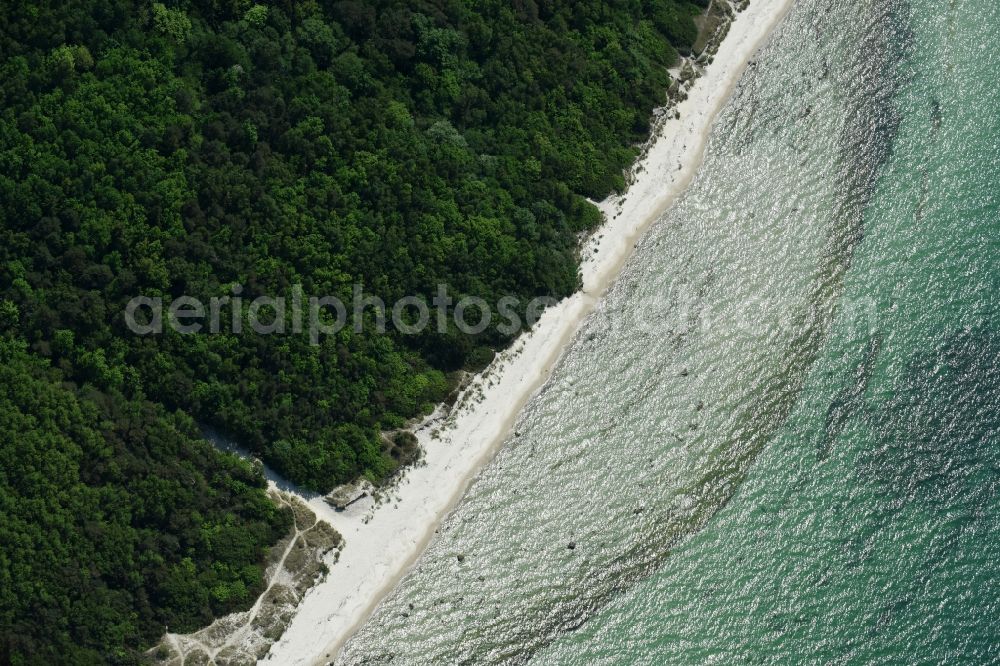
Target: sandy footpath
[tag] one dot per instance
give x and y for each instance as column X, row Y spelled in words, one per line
column 383, row 541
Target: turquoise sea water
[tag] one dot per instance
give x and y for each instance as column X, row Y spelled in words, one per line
column 778, row 441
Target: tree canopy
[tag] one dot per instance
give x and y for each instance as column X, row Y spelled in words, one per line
column 185, row 147
column 116, row 520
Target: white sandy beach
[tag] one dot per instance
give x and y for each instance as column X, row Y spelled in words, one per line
column 383, row 541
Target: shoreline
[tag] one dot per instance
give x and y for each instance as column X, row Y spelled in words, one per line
column 383, row 541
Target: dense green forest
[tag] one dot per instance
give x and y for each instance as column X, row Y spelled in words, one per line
column 116, row 519
column 189, row 146
column 168, row 150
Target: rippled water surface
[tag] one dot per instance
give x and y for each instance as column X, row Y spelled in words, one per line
column 778, row 438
